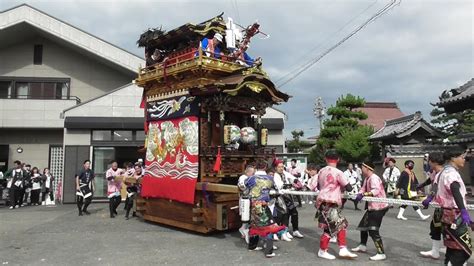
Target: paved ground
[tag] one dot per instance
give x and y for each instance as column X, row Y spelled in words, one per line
column 57, row 236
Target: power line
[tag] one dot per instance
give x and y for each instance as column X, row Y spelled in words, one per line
column 326, row 39
column 237, row 9
column 313, row 61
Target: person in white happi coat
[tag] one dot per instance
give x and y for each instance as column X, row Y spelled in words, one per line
column 284, row 179
column 391, row 176
column 355, row 181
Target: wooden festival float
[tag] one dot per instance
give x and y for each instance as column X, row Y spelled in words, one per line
column 203, row 124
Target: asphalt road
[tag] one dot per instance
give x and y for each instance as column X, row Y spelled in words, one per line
column 57, row 236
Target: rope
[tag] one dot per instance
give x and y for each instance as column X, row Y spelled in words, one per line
column 371, row 199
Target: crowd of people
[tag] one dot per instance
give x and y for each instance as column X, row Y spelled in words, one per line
column 27, row 186
column 272, row 207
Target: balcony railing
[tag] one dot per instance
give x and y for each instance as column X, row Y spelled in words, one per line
column 35, row 97
column 190, row 59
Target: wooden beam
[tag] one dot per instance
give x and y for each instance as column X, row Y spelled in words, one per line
column 211, row 179
column 198, row 210
column 192, row 227
column 227, row 197
column 218, row 187
column 198, row 219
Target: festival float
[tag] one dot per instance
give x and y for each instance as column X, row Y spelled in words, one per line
column 203, row 100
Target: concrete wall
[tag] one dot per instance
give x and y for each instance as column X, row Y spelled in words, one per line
column 77, row 137
column 275, row 137
column 89, row 78
column 35, row 145
column 24, row 14
column 34, row 154
column 274, row 113
column 124, row 102
column 19, row 113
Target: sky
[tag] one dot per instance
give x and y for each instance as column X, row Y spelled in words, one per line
column 409, row 55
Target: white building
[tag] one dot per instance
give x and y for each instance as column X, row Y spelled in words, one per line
column 66, row 96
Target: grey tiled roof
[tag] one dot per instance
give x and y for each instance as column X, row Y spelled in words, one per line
column 464, row 138
column 461, row 93
column 403, row 126
column 415, row 149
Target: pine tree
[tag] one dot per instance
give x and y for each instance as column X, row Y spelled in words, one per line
column 343, row 132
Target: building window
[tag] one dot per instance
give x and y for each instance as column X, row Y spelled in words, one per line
column 123, row 135
column 102, row 157
column 5, row 89
column 31, row 88
column 47, row 90
column 101, row 135
column 140, row 135
column 21, row 90
column 38, row 54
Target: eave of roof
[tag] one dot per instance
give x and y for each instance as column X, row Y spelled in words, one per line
column 462, row 93
column 170, row 40
column 404, row 126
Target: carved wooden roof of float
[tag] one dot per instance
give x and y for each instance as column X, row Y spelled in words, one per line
column 250, row 82
column 257, row 83
column 181, row 36
column 218, row 79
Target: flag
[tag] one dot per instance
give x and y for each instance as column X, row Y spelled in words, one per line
column 172, row 167
column 217, row 165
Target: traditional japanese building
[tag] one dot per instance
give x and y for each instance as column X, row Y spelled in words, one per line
column 408, row 137
column 458, row 100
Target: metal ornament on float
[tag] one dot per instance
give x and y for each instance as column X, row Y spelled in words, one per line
column 248, row 135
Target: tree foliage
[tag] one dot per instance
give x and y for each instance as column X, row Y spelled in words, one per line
column 295, row 145
column 344, row 133
column 353, row 145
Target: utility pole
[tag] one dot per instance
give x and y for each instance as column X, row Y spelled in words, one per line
column 319, row 111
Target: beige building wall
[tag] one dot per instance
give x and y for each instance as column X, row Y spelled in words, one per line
column 124, row 102
column 89, row 78
column 77, row 136
column 275, row 137
column 35, row 145
column 33, row 154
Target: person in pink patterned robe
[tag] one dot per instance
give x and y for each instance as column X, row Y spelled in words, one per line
column 331, row 183
column 436, row 161
column 375, row 211
column 113, row 188
column 456, row 220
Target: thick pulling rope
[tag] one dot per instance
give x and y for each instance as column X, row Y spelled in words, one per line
column 371, row 199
